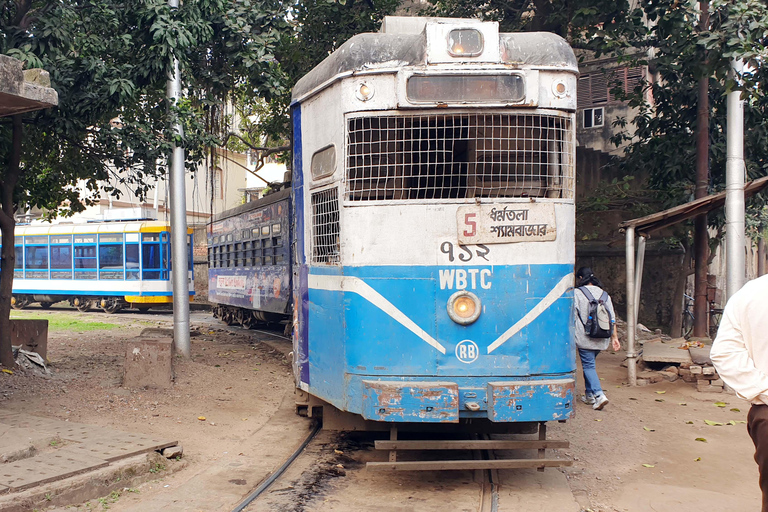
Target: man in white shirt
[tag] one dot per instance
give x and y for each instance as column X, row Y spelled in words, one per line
column 740, row 355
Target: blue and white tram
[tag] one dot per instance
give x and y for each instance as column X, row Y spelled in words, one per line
column 109, row 265
column 249, row 262
column 433, row 190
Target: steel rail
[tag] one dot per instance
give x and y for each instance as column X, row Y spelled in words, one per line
column 274, row 476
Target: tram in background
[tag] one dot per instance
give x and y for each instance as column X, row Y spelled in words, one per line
column 107, row 265
column 432, row 227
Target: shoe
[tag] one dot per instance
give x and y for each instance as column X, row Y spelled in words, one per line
column 600, row 402
column 588, row 399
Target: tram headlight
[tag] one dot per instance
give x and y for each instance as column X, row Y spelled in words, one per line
column 559, row 89
column 364, row 92
column 464, row 307
column 465, row 42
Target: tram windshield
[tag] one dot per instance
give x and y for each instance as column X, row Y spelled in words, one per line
column 459, row 156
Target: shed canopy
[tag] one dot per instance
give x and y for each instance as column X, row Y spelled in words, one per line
column 666, row 218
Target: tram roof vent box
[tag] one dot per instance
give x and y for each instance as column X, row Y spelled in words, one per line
column 442, row 34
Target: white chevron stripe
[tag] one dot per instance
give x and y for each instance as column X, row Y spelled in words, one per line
column 358, row 286
column 556, row 292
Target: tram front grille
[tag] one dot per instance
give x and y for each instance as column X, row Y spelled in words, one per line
column 459, row 156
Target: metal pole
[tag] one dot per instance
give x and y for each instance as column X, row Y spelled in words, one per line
column 179, row 252
column 639, row 274
column 734, row 190
column 631, row 319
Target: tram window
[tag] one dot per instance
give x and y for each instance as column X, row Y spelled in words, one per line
column 36, row 257
column 255, row 232
column 132, row 261
column 456, row 156
column 85, row 256
column 246, row 234
column 61, row 257
column 264, row 230
column 276, row 229
column 325, row 226
column 166, row 261
column 279, row 258
column 151, row 257
column 267, row 242
column 277, row 241
column 323, row 162
column 111, row 258
column 268, row 260
column 229, row 237
column 19, row 254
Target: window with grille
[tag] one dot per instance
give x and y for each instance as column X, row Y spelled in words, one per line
column 459, row 156
column 325, row 226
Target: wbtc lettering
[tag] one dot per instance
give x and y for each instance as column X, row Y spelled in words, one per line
column 464, row 279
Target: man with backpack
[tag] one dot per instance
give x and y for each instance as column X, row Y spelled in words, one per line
column 595, row 324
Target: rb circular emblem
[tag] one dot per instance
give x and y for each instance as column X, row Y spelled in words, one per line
column 467, row 351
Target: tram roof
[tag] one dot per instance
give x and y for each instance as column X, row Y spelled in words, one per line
column 93, row 227
column 403, row 42
column 252, row 205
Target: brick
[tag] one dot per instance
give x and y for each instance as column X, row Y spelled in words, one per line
column 641, row 382
column 683, row 372
column 669, row 376
column 688, row 378
column 709, row 389
column 708, row 370
column 672, row 369
column 695, row 369
column 718, row 382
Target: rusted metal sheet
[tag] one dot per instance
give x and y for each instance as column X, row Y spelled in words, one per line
column 479, row 444
column 440, row 465
column 531, row 400
column 423, row 402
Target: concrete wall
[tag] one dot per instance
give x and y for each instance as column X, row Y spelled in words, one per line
column 662, row 264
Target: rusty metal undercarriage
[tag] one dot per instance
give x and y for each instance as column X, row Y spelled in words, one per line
column 527, row 452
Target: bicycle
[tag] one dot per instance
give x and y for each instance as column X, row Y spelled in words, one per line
column 688, row 318
column 715, row 314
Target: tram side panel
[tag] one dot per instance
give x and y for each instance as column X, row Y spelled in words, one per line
column 249, row 258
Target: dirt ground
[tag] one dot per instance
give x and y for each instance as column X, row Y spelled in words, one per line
column 649, row 450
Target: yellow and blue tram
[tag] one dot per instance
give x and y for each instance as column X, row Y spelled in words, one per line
column 107, row 265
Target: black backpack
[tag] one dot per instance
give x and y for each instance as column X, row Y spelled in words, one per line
column 599, row 323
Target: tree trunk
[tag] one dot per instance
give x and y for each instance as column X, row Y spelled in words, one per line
column 701, row 237
column 7, row 253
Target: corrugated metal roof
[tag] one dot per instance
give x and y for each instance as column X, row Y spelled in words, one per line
column 666, row 218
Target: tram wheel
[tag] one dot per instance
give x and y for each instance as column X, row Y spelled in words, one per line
column 46, row 305
column 19, row 302
column 82, row 305
column 248, row 320
column 228, row 317
column 112, row 307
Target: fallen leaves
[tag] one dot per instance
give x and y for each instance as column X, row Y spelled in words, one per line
column 701, row 439
column 201, row 418
column 713, row 423
column 649, row 429
column 735, row 410
column 660, row 392
column 648, row 466
column 9, row 372
column 721, row 404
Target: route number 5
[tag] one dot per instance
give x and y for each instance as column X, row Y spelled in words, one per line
column 470, row 223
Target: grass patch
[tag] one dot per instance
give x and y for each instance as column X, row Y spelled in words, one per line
column 61, row 323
